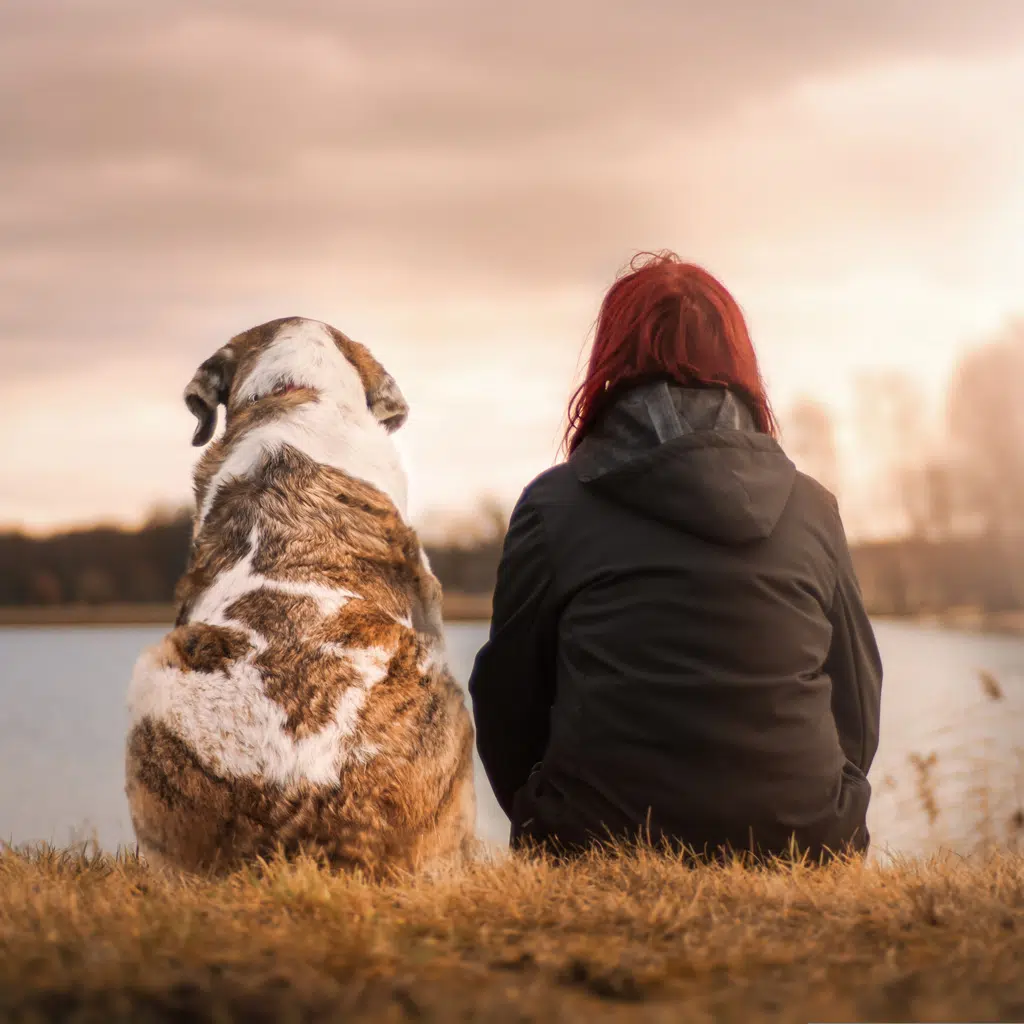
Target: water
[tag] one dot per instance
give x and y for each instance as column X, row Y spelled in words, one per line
column 62, row 727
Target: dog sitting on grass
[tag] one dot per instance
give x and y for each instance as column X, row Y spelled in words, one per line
column 303, row 701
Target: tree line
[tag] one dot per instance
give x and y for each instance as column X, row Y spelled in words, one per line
column 108, row 565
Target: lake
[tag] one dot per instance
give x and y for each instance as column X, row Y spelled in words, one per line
column 949, row 772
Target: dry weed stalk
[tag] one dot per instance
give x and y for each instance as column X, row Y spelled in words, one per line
column 925, row 782
column 990, row 686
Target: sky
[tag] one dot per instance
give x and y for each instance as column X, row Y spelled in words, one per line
column 456, row 184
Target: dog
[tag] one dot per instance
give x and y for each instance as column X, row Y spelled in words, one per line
column 302, row 702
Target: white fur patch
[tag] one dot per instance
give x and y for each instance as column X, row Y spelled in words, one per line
column 433, row 658
column 304, row 354
column 226, row 716
column 235, row 729
column 337, row 430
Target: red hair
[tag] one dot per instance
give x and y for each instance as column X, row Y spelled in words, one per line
column 668, row 319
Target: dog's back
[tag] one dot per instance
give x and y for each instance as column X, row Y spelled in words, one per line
column 302, row 701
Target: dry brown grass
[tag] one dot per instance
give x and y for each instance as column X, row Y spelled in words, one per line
column 93, row 938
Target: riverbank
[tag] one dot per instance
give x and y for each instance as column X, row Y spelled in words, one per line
column 638, row 938
column 457, row 608
column 969, row 620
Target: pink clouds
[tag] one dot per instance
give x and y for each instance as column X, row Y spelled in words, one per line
column 456, row 184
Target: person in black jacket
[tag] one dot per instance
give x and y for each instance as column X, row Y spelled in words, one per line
column 678, row 650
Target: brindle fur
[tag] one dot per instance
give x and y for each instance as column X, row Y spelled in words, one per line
column 404, row 798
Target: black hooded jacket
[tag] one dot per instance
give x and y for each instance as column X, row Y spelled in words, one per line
column 678, row 646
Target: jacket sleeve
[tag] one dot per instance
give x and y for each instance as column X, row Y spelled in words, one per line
column 512, row 683
column 854, row 665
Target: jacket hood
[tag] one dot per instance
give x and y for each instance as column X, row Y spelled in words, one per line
column 689, row 457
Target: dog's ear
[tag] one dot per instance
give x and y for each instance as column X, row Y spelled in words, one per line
column 384, row 398
column 209, row 388
column 387, row 403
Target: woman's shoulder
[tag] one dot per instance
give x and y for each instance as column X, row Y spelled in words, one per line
column 815, row 492
column 816, row 497
column 552, row 486
column 818, row 509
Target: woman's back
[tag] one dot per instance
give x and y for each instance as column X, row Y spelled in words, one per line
column 678, row 643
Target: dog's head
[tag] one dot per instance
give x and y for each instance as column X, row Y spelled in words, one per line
column 288, row 355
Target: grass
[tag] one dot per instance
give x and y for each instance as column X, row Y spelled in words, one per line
column 89, row 937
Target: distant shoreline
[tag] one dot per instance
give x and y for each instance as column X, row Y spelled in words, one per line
column 457, row 608
column 966, row 620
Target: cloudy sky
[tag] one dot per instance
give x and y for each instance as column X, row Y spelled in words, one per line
column 456, row 183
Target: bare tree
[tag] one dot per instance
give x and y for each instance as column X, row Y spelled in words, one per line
column 810, row 437
column 934, row 496
column 494, row 517
column 892, row 423
column 986, row 426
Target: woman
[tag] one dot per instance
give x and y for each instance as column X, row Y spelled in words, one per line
column 678, row 650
